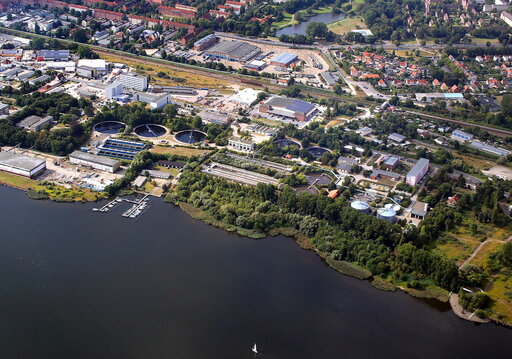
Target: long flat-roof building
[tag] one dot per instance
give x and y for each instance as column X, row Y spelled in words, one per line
column 233, row 51
column 94, row 161
column 206, row 42
column 288, row 107
column 417, row 172
column 497, row 151
column 21, row 165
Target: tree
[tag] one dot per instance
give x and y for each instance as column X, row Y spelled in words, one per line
column 506, row 105
column 37, row 44
column 317, row 30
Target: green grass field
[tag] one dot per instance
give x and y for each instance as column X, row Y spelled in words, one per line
column 343, row 26
column 16, row 181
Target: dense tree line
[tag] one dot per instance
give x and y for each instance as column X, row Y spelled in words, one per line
column 335, row 228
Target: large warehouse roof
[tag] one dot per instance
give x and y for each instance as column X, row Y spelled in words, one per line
column 291, row 104
column 84, row 156
column 235, row 49
column 285, row 58
column 19, row 161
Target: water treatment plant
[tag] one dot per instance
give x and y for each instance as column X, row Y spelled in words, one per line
column 190, row 136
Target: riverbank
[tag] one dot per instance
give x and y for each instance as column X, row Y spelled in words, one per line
column 45, row 190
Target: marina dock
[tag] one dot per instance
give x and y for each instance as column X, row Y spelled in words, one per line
column 138, row 206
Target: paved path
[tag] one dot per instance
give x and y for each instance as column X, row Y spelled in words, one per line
column 462, row 313
column 475, row 252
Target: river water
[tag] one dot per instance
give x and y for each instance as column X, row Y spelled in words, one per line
column 300, row 29
column 79, row 284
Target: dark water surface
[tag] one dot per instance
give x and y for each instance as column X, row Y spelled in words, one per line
column 78, row 284
column 301, row 27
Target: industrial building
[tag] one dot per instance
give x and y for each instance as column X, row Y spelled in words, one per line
column 35, row 123
column 122, row 149
column 233, row 51
column 496, row 151
column 461, row 136
column 91, row 69
column 134, row 81
column 296, row 109
column 21, row 165
column 52, row 55
column 417, row 172
column 396, row 137
column 113, row 90
column 154, row 100
column 439, row 96
column 206, row 42
column 94, row 161
column 284, row 60
column 239, row 144
column 391, row 163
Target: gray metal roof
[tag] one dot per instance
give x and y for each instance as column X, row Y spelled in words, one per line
column 291, row 104
column 84, row 156
column 20, row 161
column 418, row 167
column 285, row 58
column 235, row 49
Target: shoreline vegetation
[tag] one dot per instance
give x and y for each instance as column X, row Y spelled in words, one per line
column 47, row 190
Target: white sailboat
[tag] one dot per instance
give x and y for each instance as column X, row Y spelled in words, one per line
column 254, row 349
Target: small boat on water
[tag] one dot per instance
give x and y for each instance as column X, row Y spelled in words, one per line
column 95, row 209
column 254, row 349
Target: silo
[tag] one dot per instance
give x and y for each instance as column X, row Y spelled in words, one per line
column 386, row 214
column 361, row 206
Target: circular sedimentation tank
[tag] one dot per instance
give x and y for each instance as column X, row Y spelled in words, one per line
column 285, row 142
column 361, row 206
column 150, row 130
column 386, row 214
column 317, row 151
column 109, row 127
column 190, row 136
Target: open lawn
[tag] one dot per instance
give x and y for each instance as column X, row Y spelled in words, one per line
column 501, row 294
column 190, row 78
column 477, row 40
column 489, row 247
column 343, row 26
column 16, row 181
column 457, row 248
column 480, row 163
column 180, row 151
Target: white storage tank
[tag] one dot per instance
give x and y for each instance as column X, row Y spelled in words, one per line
column 394, row 207
column 361, row 206
column 387, row 214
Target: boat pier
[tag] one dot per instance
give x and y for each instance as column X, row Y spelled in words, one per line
column 138, row 206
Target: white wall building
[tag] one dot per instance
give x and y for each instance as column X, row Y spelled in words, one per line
column 21, row 165
column 133, row 81
column 237, row 144
column 97, row 162
column 113, row 90
column 417, row 172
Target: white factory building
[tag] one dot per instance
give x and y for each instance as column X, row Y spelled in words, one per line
column 115, row 89
column 134, row 81
column 21, row 165
column 97, row 162
column 238, row 144
column 155, row 101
